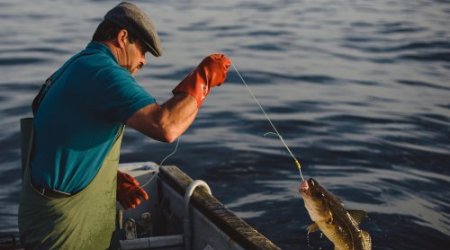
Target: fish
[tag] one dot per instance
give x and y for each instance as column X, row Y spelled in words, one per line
column 339, row 225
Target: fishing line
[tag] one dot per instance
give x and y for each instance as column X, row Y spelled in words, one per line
column 297, row 163
column 163, row 160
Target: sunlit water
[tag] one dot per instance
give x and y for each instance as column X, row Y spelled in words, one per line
column 360, row 91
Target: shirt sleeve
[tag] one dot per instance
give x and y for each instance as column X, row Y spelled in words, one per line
column 120, row 95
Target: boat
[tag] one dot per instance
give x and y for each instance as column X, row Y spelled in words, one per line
column 181, row 214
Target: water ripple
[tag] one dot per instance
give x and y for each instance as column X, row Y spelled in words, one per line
column 423, row 84
column 428, row 57
column 22, row 61
column 399, row 27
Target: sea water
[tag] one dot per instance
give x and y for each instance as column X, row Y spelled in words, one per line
column 359, row 90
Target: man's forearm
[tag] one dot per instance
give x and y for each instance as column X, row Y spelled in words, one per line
column 168, row 121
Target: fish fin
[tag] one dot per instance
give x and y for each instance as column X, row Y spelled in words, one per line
column 358, row 215
column 367, row 241
column 313, row 227
column 331, row 219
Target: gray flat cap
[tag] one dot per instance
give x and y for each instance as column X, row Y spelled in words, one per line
column 133, row 19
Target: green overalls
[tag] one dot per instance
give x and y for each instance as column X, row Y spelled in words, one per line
column 85, row 220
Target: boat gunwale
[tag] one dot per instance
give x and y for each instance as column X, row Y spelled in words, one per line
column 236, row 228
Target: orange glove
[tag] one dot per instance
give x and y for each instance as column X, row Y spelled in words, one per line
column 129, row 193
column 211, row 72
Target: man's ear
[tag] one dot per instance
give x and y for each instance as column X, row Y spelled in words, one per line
column 122, row 38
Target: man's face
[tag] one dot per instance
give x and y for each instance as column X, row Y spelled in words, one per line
column 134, row 57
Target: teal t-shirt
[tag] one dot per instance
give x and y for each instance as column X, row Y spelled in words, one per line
column 79, row 117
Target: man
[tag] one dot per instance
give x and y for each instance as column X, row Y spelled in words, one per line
column 69, row 189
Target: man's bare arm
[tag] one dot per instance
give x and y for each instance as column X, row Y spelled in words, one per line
column 168, row 121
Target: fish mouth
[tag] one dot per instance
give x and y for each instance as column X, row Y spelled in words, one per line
column 303, row 188
column 307, row 186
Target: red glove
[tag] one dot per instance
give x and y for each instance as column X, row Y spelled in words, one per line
column 129, row 193
column 211, row 72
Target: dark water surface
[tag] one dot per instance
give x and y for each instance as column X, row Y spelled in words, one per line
column 360, row 90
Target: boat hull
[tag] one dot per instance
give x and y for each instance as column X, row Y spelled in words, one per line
column 210, row 225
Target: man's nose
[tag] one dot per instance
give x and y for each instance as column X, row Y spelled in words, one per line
column 143, row 60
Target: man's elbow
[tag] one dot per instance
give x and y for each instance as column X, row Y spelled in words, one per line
column 170, row 139
column 169, row 135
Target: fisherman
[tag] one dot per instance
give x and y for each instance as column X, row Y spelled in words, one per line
column 69, row 193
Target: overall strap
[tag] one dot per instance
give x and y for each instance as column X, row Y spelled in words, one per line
column 27, row 124
column 48, row 83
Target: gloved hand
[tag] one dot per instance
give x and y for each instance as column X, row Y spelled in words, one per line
column 211, row 72
column 129, row 193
